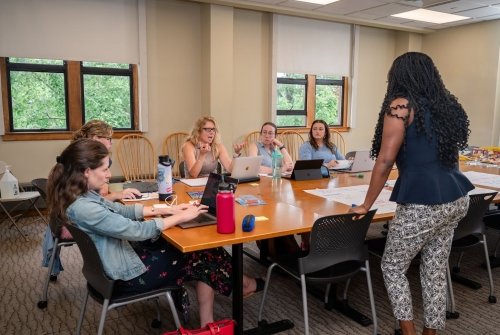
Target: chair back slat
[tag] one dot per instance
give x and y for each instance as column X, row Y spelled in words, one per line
column 93, row 269
column 137, row 157
column 338, row 140
column 292, row 140
column 472, row 222
column 172, row 147
column 252, row 137
column 336, row 239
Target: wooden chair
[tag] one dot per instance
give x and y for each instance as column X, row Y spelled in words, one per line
column 251, row 137
column 338, row 140
column 292, row 141
column 172, row 146
column 137, row 157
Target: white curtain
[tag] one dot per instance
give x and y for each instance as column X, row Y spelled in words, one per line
column 91, row 30
column 311, row 46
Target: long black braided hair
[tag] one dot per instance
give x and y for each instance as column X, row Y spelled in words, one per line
column 414, row 76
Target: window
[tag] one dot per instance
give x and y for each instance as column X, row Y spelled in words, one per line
column 46, row 98
column 302, row 98
column 113, row 103
column 37, row 94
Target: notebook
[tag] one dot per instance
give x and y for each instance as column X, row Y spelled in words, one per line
column 208, row 199
column 246, row 169
column 362, row 162
column 306, row 170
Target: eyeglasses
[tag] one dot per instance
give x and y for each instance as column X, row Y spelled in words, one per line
column 109, row 138
column 210, row 130
column 270, row 133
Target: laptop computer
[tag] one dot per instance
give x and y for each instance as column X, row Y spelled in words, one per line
column 208, row 199
column 362, row 162
column 246, row 169
column 142, row 186
column 306, row 170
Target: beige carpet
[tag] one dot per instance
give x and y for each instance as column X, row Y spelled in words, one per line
column 21, row 277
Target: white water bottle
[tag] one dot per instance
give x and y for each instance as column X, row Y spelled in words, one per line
column 164, row 177
column 9, row 186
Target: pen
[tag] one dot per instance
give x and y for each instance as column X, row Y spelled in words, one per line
column 359, row 175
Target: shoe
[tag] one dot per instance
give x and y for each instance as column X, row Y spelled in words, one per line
column 260, row 283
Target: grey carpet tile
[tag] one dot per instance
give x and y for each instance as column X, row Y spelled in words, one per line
column 21, row 279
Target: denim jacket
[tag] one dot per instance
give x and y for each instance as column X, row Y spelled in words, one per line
column 111, row 225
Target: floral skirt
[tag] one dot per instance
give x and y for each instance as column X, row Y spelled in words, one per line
column 165, row 264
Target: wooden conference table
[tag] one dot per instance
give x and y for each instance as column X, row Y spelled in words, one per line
column 289, row 210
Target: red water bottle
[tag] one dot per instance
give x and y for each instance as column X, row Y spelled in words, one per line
column 224, row 203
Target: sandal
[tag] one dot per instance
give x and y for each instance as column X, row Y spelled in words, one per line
column 260, row 283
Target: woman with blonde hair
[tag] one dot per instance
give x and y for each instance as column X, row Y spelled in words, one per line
column 203, row 149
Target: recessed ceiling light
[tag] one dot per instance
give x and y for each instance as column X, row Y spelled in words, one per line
column 431, row 16
column 319, row 2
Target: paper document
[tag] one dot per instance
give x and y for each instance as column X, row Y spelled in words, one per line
column 195, row 181
column 483, row 179
column 355, row 195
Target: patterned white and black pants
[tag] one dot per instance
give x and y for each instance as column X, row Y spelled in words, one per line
column 429, row 230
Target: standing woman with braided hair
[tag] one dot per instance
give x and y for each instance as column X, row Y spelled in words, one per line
column 421, row 127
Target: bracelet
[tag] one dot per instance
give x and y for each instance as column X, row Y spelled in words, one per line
column 282, row 147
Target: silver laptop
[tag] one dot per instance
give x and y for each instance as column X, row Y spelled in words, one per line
column 362, row 162
column 208, row 199
column 246, row 169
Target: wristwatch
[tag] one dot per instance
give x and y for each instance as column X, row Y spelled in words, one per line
column 282, row 147
column 235, row 155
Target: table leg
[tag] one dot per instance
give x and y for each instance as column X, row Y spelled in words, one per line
column 237, row 262
column 264, row 327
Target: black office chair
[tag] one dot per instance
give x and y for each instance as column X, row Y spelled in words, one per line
column 337, row 252
column 41, row 186
column 492, row 221
column 470, row 233
column 100, row 287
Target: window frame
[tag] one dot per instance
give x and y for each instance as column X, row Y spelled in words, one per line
column 310, row 107
column 74, row 104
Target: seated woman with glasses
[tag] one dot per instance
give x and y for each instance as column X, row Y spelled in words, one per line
column 265, row 147
column 203, row 149
column 320, row 146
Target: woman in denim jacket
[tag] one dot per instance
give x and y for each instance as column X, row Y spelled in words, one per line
column 131, row 249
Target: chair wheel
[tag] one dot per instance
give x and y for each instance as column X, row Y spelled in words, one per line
column 53, row 277
column 455, row 269
column 397, row 332
column 454, row 315
column 155, row 323
column 42, row 304
column 492, row 299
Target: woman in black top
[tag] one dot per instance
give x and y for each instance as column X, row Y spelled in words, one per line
column 421, row 127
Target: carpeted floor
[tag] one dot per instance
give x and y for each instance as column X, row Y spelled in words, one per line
column 21, row 277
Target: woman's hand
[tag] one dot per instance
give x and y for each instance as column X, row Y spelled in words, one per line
column 361, row 210
column 129, row 193
column 237, row 147
column 205, row 148
column 191, row 211
column 277, row 142
column 287, row 166
column 331, row 164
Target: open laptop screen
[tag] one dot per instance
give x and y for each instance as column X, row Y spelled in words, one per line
column 211, row 189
